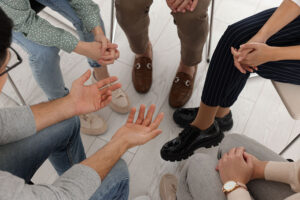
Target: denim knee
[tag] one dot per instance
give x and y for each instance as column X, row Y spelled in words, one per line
column 75, row 123
column 115, row 185
column 45, row 54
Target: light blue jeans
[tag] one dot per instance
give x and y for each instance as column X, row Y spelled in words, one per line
column 44, row 60
column 62, row 144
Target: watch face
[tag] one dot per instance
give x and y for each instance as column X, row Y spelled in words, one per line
column 229, row 185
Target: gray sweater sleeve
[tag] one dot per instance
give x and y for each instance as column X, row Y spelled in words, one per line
column 78, row 183
column 16, row 123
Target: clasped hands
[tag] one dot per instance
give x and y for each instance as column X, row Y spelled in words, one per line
column 100, row 50
column 251, row 55
column 240, row 166
column 182, row 5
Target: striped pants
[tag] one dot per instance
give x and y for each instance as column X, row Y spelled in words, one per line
column 224, row 82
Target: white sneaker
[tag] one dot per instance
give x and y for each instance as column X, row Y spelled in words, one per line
column 92, row 124
column 142, row 198
column 120, row 101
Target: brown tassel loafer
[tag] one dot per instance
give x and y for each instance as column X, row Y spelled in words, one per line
column 142, row 74
column 182, row 89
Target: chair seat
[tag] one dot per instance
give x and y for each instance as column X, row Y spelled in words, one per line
column 290, row 96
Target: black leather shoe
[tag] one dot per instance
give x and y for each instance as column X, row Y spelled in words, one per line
column 184, row 116
column 190, row 139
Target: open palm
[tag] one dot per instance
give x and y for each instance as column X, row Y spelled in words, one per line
column 141, row 131
column 90, row 98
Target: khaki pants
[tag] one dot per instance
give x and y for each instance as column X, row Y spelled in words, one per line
column 133, row 17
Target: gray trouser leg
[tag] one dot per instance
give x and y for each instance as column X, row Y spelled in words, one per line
column 200, row 180
column 259, row 189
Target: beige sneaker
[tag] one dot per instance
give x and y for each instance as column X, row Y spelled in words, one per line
column 120, row 101
column 92, row 124
column 142, row 198
column 168, row 187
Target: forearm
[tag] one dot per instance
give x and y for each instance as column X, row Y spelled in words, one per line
column 88, row 12
column 50, row 113
column 284, row 172
column 285, row 53
column 286, row 12
column 104, row 160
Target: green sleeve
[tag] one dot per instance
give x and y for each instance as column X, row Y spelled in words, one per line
column 35, row 28
column 88, row 12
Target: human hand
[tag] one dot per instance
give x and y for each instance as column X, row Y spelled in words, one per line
column 100, row 37
column 86, row 99
column 140, row 132
column 259, row 166
column 260, row 53
column 233, row 167
column 242, row 53
column 110, row 55
column 182, row 5
column 241, row 67
column 93, row 50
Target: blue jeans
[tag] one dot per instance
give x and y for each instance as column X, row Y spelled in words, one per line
column 44, row 60
column 62, row 144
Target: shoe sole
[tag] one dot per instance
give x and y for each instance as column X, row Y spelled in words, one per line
column 224, row 128
column 94, row 132
column 206, row 144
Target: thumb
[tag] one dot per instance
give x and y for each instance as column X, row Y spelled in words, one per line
column 83, row 78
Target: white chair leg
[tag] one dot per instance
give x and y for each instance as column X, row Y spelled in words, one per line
column 290, row 144
column 112, row 22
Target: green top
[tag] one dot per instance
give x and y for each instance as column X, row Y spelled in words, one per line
column 41, row 31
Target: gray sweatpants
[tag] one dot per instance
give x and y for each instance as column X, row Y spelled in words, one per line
column 200, row 181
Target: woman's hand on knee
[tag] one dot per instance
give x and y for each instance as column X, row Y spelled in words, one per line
column 233, row 167
column 260, row 53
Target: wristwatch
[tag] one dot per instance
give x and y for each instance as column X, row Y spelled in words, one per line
column 230, row 186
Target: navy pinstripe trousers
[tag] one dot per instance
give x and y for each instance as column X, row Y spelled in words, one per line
column 224, row 82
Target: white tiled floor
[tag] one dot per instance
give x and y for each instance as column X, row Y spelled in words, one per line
column 258, row 113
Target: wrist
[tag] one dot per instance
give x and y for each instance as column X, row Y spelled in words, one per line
column 275, row 53
column 80, row 48
column 70, row 106
column 259, row 170
column 122, row 144
column 261, row 36
column 97, row 31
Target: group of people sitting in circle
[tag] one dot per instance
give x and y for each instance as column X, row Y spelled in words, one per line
column 267, row 43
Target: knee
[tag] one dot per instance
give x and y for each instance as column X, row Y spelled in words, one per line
column 45, row 54
column 229, row 142
column 200, row 162
column 72, row 126
column 197, row 17
column 123, row 7
column 131, row 15
column 120, row 171
column 232, row 32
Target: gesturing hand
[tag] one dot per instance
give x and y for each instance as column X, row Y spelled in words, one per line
column 233, row 166
column 87, row 99
column 142, row 130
